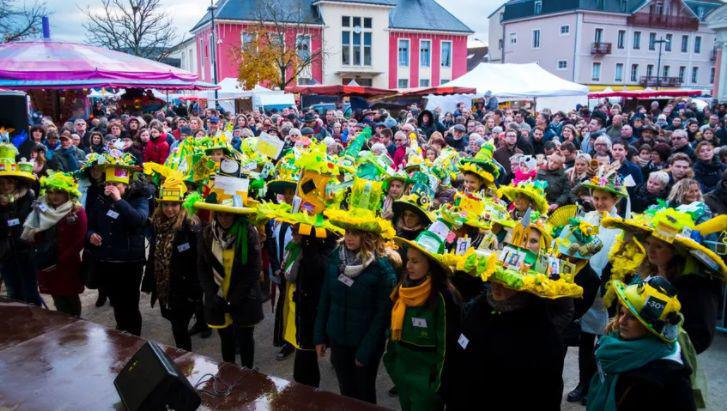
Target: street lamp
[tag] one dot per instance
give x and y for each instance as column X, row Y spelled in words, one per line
column 213, row 46
column 658, row 61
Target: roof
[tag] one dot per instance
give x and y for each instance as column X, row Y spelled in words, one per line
column 518, row 9
column 425, row 15
column 297, row 11
column 372, row 2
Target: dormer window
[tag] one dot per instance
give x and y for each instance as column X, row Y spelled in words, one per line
column 538, row 7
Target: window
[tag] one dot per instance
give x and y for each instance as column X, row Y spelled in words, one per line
column 650, row 70
column 619, row 76
column 711, row 75
column 697, row 44
column 247, row 40
column 685, row 43
column 424, row 82
column 356, row 40
column 667, row 45
column 565, row 29
column 682, row 71
column 621, row 39
column 652, row 41
column 538, row 7
column 403, row 83
column 695, row 74
column 425, row 53
column 536, row 39
column 637, row 40
column 596, row 72
column 499, row 44
column 665, row 71
column 403, row 53
column 445, row 59
column 302, row 48
column 598, row 35
column 562, row 64
column 513, row 38
column 634, row 72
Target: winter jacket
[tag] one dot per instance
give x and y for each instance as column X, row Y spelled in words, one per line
column 659, row 385
column 495, row 357
column 356, row 315
column 184, row 288
column 708, row 174
column 459, row 145
column 641, row 199
column 156, row 150
column 716, row 200
column 434, row 124
column 699, row 296
column 244, row 296
column 558, row 190
column 12, row 217
column 628, row 168
column 66, row 238
column 120, row 225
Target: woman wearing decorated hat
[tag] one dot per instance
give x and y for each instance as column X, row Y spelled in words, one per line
column 354, row 305
column 16, row 199
column 526, row 195
column 171, row 272
column 57, row 229
column 509, row 353
column 481, row 171
column 424, row 323
column 395, row 185
column 606, row 190
column 641, row 364
column 229, row 264
column 115, row 238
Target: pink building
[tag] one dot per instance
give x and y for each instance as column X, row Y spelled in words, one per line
column 611, row 43
column 380, row 43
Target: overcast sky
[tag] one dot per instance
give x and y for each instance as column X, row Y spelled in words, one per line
column 67, row 19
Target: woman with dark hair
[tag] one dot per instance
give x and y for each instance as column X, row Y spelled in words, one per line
column 37, row 136
column 425, row 323
column 97, row 144
column 707, row 168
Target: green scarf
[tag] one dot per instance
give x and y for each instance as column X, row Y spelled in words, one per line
column 615, row 356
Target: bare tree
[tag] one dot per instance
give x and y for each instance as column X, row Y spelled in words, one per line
column 137, row 27
column 275, row 22
column 19, row 22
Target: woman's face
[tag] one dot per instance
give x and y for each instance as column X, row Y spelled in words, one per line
column 580, row 166
column 417, row 264
column 659, row 252
column 116, row 130
column 603, row 201
column 96, row 140
column 629, row 328
column 522, row 203
column 56, row 198
column 352, row 240
column 532, row 241
column 693, row 127
column 171, row 210
column 225, row 220
column 144, row 136
column 410, row 219
column 654, row 185
column 490, row 123
column 154, row 133
column 37, row 135
column 708, row 135
column 396, row 189
column 472, row 183
column 655, row 158
column 432, row 154
column 242, row 122
column 706, row 152
column 200, row 134
column 693, row 194
column 7, row 185
column 500, row 292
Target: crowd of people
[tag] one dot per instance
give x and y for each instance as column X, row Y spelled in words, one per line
column 465, row 250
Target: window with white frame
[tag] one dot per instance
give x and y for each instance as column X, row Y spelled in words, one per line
column 634, row 72
column 248, row 40
column 621, row 39
column 565, row 29
column 562, row 64
column 649, row 70
column 444, row 81
column 537, row 7
column 596, row 72
column 695, row 74
column 356, row 40
column 513, row 38
column 598, row 36
column 667, row 45
column 697, row 44
column 403, row 83
column 499, row 44
column 652, row 41
column 682, row 72
column 403, row 53
column 445, row 59
column 536, row 39
column 619, row 73
column 425, row 53
column 637, row 40
column 303, row 50
column 685, row 43
column 423, row 82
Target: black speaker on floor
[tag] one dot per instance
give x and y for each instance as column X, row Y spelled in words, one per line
column 151, row 381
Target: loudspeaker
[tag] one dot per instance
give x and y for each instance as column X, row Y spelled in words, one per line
column 15, row 110
column 151, row 381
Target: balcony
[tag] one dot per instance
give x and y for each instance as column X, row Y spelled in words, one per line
column 600, row 49
column 650, row 81
column 662, row 21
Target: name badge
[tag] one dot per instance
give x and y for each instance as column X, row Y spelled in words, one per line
column 419, row 322
column 463, row 341
column 183, row 247
column 13, row 222
column 113, row 214
column 43, row 207
column 346, row 280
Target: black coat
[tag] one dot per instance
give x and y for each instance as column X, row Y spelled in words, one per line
column 120, row 225
column 12, row 217
column 507, row 361
column 244, row 297
column 641, row 199
column 184, row 289
column 700, row 298
column 659, row 385
column 708, row 174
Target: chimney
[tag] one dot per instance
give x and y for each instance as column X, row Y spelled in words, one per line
column 46, row 28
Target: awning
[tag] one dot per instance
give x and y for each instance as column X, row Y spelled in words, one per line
column 647, row 93
column 96, row 83
column 340, row 90
column 438, row 91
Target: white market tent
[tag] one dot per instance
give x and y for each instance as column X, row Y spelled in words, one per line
column 515, row 81
column 230, row 90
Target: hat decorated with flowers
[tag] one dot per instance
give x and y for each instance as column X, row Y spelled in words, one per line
column 364, row 204
column 579, row 239
column 482, row 164
column 466, row 209
column 533, row 190
column 607, row 180
column 60, row 181
column 285, row 175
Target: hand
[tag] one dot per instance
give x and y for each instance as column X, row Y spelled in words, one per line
column 321, row 350
column 95, row 239
column 113, row 192
column 358, row 363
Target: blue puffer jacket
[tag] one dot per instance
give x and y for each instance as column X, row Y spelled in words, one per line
column 121, row 227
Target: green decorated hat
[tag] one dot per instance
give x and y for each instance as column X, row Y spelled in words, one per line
column 534, row 190
column 482, row 165
column 60, row 182
column 432, row 243
column 11, row 168
column 579, row 239
column 364, row 204
column 654, row 303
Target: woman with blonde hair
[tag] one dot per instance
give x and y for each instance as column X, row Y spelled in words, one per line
column 684, row 191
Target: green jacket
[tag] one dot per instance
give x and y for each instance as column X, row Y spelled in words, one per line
column 357, row 315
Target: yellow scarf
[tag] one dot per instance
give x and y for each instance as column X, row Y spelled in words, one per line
column 407, row 297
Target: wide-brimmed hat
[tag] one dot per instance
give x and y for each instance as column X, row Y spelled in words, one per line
column 10, row 168
column 579, row 239
column 364, row 204
column 482, row 165
column 533, row 190
column 466, row 209
column 532, row 220
column 286, row 175
column 654, row 303
column 610, row 182
column 118, row 166
column 415, row 203
column 213, row 202
column 60, row 181
column 432, row 243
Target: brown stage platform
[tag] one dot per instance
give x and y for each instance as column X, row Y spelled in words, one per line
column 49, row 361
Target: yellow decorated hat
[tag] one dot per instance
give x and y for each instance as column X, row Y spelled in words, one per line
column 466, row 209
column 533, row 190
column 654, row 303
column 286, row 175
column 60, row 182
column 118, row 166
column 432, row 243
column 364, row 204
column 532, row 220
column 10, row 168
column 482, row 165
